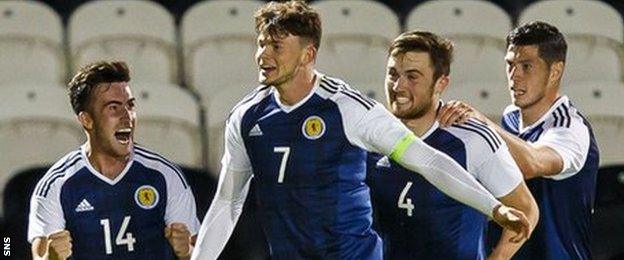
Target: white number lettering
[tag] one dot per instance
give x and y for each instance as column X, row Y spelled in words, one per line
column 129, row 240
column 282, row 169
column 407, row 205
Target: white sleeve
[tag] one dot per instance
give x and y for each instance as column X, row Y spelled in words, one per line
column 181, row 205
column 229, row 199
column 46, row 212
column 379, row 131
column 374, row 130
column 572, row 144
column 444, row 173
column 499, row 173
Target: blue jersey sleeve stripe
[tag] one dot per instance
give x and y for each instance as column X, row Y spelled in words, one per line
column 567, row 114
column 329, row 84
column 45, row 181
column 156, row 157
column 562, row 117
column 345, row 88
column 492, row 145
column 367, row 106
column 248, row 98
column 57, row 175
column 327, row 88
column 556, row 118
column 487, row 130
column 61, row 165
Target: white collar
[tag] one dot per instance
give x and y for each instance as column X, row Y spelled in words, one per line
column 101, row 176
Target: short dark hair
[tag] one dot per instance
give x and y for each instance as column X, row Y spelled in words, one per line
column 551, row 45
column 88, row 77
column 440, row 49
column 293, row 17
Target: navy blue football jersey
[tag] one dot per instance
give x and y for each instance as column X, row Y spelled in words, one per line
column 418, row 221
column 122, row 218
column 309, row 166
column 565, row 200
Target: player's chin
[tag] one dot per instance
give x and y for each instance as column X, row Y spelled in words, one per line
column 124, row 147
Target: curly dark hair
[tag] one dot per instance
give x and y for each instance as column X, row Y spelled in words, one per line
column 88, row 77
column 293, row 17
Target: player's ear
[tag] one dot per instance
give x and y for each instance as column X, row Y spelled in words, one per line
column 556, row 71
column 85, row 120
column 309, row 54
column 441, row 84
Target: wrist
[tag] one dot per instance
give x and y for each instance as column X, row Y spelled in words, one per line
column 186, row 255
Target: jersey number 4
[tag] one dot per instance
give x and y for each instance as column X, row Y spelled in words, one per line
column 129, row 240
column 406, row 203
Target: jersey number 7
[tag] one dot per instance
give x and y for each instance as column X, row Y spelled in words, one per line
column 282, row 168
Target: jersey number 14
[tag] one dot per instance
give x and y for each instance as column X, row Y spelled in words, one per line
column 129, row 240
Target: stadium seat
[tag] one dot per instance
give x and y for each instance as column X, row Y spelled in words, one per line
column 218, row 109
column 594, row 32
column 219, row 43
column 142, row 33
column 478, row 68
column 31, row 40
column 17, row 207
column 168, row 122
column 600, row 103
column 608, row 231
column 37, row 126
column 354, row 46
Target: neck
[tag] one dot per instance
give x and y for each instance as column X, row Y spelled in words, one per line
column 531, row 114
column 105, row 164
column 419, row 126
column 296, row 89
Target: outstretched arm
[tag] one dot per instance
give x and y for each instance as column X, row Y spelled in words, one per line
column 444, row 173
column 223, row 214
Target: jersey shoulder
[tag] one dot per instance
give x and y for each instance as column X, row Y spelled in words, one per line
column 60, row 171
column 478, row 137
column 254, row 97
column 347, row 98
column 152, row 160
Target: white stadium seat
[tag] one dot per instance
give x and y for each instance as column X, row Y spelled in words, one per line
column 37, row 127
column 142, row 33
column 594, row 32
column 354, row 46
column 478, row 30
column 219, row 41
column 600, row 102
column 168, row 122
column 31, row 37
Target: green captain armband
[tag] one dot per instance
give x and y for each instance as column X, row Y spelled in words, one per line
column 401, row 146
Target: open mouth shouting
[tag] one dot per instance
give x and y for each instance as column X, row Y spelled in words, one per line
column 124, row 135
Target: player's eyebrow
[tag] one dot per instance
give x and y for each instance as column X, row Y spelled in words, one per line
column 112, row 102
column 416, row 71
column 518, row 61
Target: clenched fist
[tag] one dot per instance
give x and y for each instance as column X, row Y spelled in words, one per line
column 59, row 245
column 179, row 238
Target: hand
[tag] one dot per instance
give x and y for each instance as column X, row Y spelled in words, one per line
column 59, row 245
column 513, row 220
column 458, row 112
column 179, row 238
